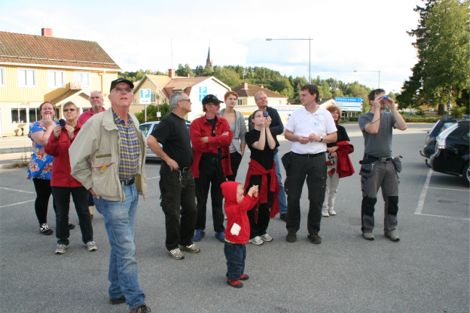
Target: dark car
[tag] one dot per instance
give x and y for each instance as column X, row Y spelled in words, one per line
column 430, row 141
column 452, row 151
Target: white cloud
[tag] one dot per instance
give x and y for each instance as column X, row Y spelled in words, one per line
column 366, row 35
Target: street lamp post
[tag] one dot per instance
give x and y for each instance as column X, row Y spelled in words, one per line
column 309, row 52
column 378, row 73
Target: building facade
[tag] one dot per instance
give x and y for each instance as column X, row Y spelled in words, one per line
column 35, row 69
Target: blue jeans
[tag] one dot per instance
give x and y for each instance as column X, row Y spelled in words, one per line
column 282, row 192
column 235, row 255
column 119, row 220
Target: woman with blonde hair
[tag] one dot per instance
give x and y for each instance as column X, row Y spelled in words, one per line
column 332, row 177
column 63, row 184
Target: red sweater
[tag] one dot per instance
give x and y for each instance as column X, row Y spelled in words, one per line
column 254, row 168
column 59, row 148
column 200, row 127
column 236, row 212
column 85, row 116
column 344, row 167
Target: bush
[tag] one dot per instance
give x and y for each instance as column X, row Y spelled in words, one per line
column 152, row 110
column 422, row 119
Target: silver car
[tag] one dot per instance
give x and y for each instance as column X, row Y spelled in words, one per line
column 146, row 129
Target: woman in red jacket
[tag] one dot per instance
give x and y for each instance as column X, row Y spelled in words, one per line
column 63, row 184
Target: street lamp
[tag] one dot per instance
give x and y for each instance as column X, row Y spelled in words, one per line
column 377, row 71
column 309, row 50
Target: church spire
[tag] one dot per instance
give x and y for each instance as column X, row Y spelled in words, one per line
column 208, row 60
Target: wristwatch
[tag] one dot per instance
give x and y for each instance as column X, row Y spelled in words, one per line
column 321, row 139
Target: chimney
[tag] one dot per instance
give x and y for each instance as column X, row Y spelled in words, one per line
column 46, row 32
column 171, row 73
column 245, row 86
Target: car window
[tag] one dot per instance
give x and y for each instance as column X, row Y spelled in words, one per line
column 447, row 125
column 145, row 128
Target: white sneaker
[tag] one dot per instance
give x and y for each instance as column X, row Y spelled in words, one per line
column 91, row 246
column 266, row 238
column 325, row 214
column 257, row 241
column 176, row 254
column 332, row 212
column 60, row 249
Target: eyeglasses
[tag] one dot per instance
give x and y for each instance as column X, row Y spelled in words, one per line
column 122, row 90
column 69, row 110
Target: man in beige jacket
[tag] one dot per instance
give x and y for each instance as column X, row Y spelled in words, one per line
column 107, row 158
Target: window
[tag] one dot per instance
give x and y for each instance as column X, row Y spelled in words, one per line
column 33, row 115
column 26, row 78
column 2, row 76
column 56, row 78
column 82, row 78
column 18, row 115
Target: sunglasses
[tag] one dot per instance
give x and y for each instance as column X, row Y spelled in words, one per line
column 69, row 110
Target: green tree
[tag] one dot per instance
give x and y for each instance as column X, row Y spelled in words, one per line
column 184, row 71
column 152, row 110
column 443, row 44
column 228, row 75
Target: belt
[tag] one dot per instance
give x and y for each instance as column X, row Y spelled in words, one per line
column 128, row 182
column 309, row 155
column 374, row 158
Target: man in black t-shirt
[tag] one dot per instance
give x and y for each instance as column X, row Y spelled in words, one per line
column 177, row 186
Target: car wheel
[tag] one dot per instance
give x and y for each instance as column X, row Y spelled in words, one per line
column 466, row 173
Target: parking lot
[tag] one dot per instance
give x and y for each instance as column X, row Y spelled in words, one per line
column 427, row 271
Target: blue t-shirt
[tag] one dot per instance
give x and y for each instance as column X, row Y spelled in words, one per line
column 40, row 165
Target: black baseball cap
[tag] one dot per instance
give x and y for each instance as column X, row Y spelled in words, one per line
column 210, row 99
column 121, row 80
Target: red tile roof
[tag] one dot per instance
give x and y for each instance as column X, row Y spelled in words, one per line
column 251, row 90
column 41, row 50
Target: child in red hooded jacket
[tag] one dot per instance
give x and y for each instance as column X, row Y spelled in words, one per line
column 237, row 232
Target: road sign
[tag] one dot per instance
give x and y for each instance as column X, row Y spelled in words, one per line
column 145, row 96
column 349, row 104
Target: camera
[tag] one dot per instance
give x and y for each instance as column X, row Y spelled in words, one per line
column 62, row 122
column 265, row 113
column 385, row 98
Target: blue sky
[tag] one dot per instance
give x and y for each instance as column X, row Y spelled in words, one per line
column 352, row 40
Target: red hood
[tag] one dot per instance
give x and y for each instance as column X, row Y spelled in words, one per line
column 229, row 191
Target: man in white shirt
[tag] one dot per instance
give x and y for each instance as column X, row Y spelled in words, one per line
column 309, row 129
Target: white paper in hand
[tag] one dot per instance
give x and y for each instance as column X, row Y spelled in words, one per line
column 235, row 230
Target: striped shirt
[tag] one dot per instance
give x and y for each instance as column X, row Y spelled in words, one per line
column 129, row 148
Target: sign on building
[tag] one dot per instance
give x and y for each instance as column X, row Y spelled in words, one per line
column 202, row 92
column 349, row 104
column 145, row 96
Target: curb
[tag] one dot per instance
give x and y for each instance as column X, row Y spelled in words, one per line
column 14, row 164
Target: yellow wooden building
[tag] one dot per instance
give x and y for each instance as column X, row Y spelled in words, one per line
column 34, row 69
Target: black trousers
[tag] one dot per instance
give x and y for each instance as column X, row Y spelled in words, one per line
column 314, row 169
column 210, row 175
column 177, row 189
column 235, row 159
column 259, row 216
column 62, row 206
column 235, row 254
column 43, row 193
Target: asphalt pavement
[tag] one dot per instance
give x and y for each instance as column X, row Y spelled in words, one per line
column 427, row 271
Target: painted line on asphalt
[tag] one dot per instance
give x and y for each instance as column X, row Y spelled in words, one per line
column 445, row 216
column 451, row 189
column 422, row 196
column 17, row 190
column 16, row 203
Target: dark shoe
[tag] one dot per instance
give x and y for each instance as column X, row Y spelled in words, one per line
column 368, row 236
column 45, row 230
column 244, row 277
column 119, row 300
column 392, row 235
column 283, row 217
column 220, row 236
column 141, row 309
column 192, row 248
column 291, row 237
column 314, row 238
column 234, row 283
column 71, row 226
column 198, row 235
